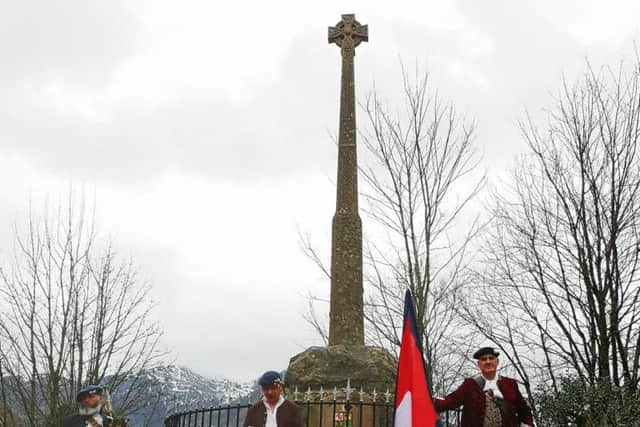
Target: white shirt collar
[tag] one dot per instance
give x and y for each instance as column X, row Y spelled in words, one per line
column 270, row 419
column 280, row 402
column 493, row 386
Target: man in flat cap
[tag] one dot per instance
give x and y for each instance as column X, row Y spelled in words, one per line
column 90, row 403
column 273, row 410
column 488, row 399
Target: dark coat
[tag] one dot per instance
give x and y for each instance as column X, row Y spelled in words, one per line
column 471, row 397
column 288, row 415
column 79, row 421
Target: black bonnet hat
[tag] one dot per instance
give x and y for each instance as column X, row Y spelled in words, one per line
column 484, row 351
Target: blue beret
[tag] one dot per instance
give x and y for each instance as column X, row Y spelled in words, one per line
column 270, row 378
column 87, row 391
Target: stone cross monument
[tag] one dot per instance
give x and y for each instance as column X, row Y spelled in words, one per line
column 346, row 325
column 345, row 360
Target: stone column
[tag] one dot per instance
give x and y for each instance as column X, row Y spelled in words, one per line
column 346, row 312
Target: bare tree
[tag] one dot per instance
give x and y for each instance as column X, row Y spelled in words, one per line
column 6, row 414
column 420, row 172
column 559, row 282
column 422, row 176
column 73, row 313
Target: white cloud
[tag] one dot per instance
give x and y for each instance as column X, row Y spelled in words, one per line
column 592, row 22
column 236, row 249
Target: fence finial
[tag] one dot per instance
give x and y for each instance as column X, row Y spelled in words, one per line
column 348, row 389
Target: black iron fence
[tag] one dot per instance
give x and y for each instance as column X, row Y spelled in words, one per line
column 331, row 413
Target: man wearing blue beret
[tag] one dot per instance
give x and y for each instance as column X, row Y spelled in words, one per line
column 90, row 402
column 273, row 410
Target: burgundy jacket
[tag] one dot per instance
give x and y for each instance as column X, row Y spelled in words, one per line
column 471, row 397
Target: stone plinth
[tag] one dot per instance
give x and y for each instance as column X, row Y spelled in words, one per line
column 366, row 367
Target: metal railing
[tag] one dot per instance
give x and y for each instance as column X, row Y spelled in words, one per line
column 220, row 416
column 321, row 412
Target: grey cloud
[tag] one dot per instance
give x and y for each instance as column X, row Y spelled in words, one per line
column 282, row 129
column 72, row 40
column 285, row 126
column 522, row 68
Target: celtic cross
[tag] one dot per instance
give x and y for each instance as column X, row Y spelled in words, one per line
column 348, row 33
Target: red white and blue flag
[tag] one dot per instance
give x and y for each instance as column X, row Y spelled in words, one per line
column 414, row 407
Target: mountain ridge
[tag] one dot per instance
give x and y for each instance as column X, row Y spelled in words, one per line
column 175, row 388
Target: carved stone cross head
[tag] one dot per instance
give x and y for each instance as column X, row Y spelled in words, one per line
column 348, row 33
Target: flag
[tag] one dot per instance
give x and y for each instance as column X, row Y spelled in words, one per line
column 413, row 406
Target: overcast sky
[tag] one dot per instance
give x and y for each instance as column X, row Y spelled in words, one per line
column 203, row 130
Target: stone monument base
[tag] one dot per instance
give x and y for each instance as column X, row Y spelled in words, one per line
column 348, row 379
column 365, row 367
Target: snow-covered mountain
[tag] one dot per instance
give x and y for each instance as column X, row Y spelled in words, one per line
column 177, row 388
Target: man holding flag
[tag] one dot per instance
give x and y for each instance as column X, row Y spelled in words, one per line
column 488, row 399
column 414, row 407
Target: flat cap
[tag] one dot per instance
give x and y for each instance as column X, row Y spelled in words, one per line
column 484, row 351
column 88, row 391
column 270, row 378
